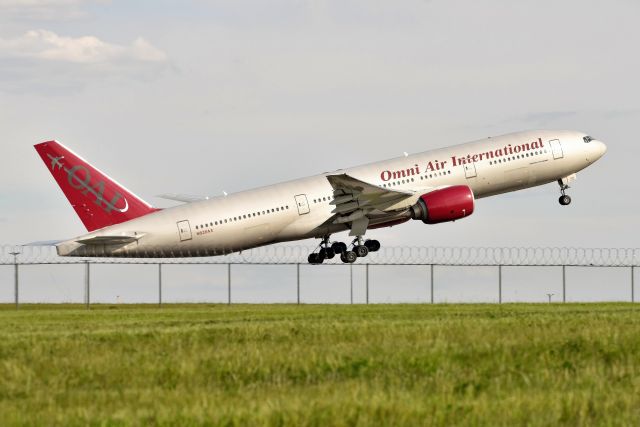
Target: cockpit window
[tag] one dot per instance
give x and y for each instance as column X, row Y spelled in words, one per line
column 587, row 139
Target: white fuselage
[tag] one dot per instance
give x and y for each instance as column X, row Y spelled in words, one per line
column 301, row 208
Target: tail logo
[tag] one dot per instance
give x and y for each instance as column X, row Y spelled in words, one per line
column 79, row 178
column 56, row 162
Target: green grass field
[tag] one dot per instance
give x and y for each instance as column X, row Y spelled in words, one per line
column 321, row 365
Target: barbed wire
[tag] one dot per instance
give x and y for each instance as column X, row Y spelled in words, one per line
column 390, row 255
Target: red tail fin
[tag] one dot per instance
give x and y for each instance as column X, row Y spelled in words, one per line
column 98, row 200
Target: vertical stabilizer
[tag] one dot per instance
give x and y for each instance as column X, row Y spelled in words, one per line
column 98, row 200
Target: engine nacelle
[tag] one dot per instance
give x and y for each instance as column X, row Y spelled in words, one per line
column 447, row 204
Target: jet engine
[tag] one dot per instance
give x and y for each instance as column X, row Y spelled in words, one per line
column 447, row 204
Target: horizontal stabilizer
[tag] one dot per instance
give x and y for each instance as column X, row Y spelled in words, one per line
column 109, row 240
column 43, row 243
column 184, row 198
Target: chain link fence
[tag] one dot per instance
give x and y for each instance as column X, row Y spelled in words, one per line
column 430, row 259
column 290, row 254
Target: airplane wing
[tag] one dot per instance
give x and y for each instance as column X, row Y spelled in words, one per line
column 357, row 201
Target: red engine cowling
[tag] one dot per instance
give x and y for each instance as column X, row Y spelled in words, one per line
column 447, row 204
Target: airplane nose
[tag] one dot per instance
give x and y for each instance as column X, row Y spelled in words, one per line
column 594, row 150
column 599, row 148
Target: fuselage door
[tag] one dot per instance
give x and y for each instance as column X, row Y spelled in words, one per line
column 470, row 170
column 302, row 204
column 184, row 230
column 556, row 149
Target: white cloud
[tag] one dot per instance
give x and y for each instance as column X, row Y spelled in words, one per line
column 47, row 45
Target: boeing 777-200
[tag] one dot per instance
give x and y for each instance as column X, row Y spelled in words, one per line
column 433, row 187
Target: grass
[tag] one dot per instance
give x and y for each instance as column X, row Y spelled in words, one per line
column 571, row 364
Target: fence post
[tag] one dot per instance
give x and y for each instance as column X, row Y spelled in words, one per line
column 564, row 283
column 500, row 284
column 87, row 284
column 15, row 277
column 160, row 284
column 633, row 296
column 229, row 283
column 367, row 280
column 298, row 282
column 431, row 282
column 351, row 283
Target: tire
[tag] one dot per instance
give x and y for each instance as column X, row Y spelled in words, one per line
column 315, row 258
column 350, row 256
column 361, row 251
column 564, row 200
column 337, row 247
column 372, row 245
column 329, row 253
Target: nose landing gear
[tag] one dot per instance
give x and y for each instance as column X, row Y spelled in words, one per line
column 564, row 199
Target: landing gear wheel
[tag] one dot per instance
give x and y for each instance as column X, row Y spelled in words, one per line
column 361, row 250
column 315, row 258
column 329, row 253
column 339, row 247
column 372, row 245
column 348, row 257
column 564, row 200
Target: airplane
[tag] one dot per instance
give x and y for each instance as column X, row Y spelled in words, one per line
column 433, row 187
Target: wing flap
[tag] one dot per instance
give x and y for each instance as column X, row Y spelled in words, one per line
column 351, row 194
column 357, row 201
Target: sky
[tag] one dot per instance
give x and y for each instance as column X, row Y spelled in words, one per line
column 201, row 97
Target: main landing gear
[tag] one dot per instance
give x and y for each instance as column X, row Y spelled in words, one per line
column 564, row 200
column 359, row 249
